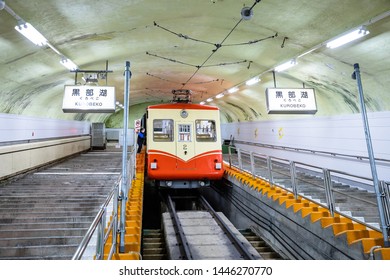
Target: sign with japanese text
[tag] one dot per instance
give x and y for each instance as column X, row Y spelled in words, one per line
column 291, row 101
column 89, row 99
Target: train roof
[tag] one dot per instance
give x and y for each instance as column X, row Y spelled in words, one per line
column 187, row 106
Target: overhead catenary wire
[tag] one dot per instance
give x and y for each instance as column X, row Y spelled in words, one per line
column 180, row 35
column 217, row 45
column 197, row 66
column 160, row 78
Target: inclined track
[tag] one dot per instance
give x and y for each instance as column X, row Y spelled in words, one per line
column 203, row 234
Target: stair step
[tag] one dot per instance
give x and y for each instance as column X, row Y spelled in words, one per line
column 263, row 249
column 153, row 245
column 252, row 238
column 270, row 255
column 48, row 214
column 43, row 232
column 25, row 226
column 43, row 251
column 155, row 257
column 65, row 219
column 153, row 251
column 153, row 239
column 44, row 209
column 40, row 241
column 260, row 245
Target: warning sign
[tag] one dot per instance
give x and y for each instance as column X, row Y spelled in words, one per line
column 137, row 124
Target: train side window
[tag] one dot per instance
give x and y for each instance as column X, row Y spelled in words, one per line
column 162, row 130
column 205, row 131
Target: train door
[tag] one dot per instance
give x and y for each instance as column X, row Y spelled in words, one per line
column 185, row 149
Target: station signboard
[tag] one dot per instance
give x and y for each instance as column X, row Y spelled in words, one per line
column 88, row 99
column 291, row 101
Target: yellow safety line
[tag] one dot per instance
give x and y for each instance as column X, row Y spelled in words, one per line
column 133, row 228
column 354, row 232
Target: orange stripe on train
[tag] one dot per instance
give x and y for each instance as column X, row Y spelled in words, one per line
column 208, row 153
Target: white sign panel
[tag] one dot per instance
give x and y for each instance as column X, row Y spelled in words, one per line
column 137, row 124
column 88, row 99
column 291, row 101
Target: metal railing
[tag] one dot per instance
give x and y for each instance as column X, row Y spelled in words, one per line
column 97, row 228
column 340, row 192
column 314, row 152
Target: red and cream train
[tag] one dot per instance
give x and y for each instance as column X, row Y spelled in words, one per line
column 184, row 146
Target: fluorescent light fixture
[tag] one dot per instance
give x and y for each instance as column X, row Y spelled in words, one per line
column 209, row 99
column 286, row 65
column 220, row 95
column 28, row 31
column 233, row 90
column 252, row 81
column 69, row 64
column 349, row 37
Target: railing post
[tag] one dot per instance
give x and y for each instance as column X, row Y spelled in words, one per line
column 134, row 157
column 293, row 174
column 356, row 76
column 230, row 155
column 123, row 193
column 100, row 236
column 328, row 191
column 385, row 194
column 269, row 165
column 239, row 158
column 115, row 220
column 252, row 164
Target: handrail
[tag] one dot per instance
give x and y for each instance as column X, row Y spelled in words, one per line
column 276, row 147
column 99, row 222
column 92, row 228
column 327, row 186
column 265, row 157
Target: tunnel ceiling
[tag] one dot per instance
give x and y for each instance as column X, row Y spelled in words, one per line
column 206, row 46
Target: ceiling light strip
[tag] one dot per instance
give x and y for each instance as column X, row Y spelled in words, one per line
column 29, row 31
column 347, row 38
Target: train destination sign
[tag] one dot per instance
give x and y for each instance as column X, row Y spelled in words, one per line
column 291, row 101
column 89, row 99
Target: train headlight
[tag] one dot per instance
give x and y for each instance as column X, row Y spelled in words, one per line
column 153, row 165
column 168, row 183
column 218, row 165
column 183, row 114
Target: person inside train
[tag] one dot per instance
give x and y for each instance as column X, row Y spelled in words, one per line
column 140, row 139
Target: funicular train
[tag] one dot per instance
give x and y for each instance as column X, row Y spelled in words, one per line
column 184, row 146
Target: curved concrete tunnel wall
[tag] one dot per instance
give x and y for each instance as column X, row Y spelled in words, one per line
column 327, row 72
